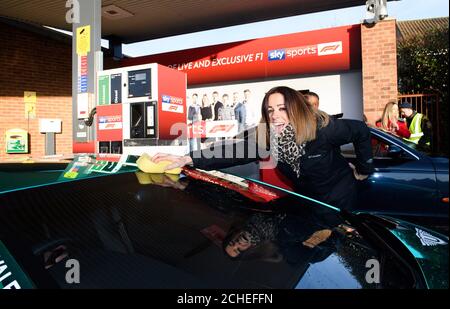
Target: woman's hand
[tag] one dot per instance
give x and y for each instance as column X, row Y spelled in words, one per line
column 55, row 256
column 317, row 238
column 177, row 161
column 357, row 175
column 168, row 182
column 393, row 128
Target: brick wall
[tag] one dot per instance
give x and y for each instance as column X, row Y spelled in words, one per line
column 379, row 67
column 34, row 62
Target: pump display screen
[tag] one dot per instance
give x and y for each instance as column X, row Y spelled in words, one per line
column 139, row 83
column 140, row 76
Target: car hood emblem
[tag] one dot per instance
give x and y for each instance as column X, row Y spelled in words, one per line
column 429, row 240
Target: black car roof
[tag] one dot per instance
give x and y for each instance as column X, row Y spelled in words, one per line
column 130, row 229
column 132, row 235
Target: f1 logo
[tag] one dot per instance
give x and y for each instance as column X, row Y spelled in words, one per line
column 222, row 128
column 329, row 48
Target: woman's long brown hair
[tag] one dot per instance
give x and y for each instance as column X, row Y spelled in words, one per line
column 302, row 116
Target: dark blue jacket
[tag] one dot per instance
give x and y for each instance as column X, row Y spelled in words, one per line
column 325, row 173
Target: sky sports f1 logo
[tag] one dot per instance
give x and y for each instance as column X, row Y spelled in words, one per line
column 277, row 54
column 323, row 49
column 172, row 104
column 171, row 99
column 109, row 119
column 221, row 128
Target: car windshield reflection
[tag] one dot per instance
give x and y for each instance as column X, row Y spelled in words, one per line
column 20, row 176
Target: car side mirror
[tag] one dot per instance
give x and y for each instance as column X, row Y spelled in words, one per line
column 394, row 151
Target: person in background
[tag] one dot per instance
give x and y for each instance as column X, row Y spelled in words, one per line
column 251, row 118
column 217, row 105
column 418, row 125
column 304, row 143
column 193, row 109
column 227, row 111
column 206, row 109
column 225, row 100
column 235, row 99
column 314, row 101
column 240, row 112
column 194, row 115
column 391, row 123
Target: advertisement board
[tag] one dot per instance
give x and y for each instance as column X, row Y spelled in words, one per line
column 313, row 52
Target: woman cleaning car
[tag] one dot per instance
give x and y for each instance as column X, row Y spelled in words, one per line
column 304, row 143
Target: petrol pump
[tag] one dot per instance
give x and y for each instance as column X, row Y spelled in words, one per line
column 141, row 109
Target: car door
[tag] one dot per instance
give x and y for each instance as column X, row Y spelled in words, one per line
column 404, row 182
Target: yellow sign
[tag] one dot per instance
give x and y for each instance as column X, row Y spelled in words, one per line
column 29, row 97
column 83, row 40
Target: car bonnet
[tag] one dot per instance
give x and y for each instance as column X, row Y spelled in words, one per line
column 429, row 248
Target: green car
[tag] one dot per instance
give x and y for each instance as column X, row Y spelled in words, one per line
column 94, row 225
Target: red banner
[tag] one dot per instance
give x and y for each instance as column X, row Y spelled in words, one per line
column 171, row 103
column 320, row 51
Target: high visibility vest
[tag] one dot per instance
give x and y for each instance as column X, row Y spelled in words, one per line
column 416, row 129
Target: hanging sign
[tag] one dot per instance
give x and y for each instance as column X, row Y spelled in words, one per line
column 83, row 40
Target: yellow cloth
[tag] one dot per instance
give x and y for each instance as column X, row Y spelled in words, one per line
column 146, row 165
column 147, row 178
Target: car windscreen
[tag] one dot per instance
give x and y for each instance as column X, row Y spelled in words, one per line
column 423, row 150
column 20, row 176
column 134, row 230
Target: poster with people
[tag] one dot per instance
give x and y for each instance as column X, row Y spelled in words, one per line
column 226, row 112
column 231, row 109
